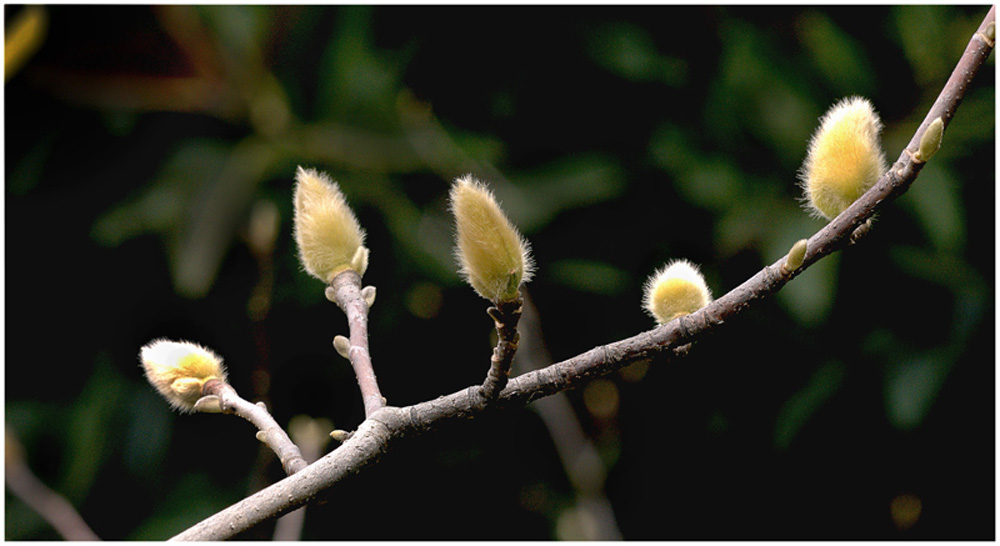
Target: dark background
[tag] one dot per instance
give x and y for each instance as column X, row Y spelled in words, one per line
column 141, row 140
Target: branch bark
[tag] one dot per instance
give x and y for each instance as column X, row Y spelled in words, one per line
column 345, row 291
column 388, row 424
column 270, row 432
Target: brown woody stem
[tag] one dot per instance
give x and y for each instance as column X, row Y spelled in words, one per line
column 505, row 316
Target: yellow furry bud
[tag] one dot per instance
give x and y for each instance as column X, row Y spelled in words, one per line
column 179, row 369
column 845, row 157
column 329, row 237
column 493, row 256
column 675, row 290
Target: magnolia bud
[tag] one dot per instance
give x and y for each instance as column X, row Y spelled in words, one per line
column 675, row 290
column 328, row 235
column 930, row 142
column 845, row 157
column 493, row 256
column 179, row 370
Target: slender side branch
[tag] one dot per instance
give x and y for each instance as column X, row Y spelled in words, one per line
column 506, row 315
column 345, row 291
column 388, row 423
column 52, row 506
column 270, row 432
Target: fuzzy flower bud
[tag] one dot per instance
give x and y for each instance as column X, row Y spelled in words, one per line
column 329, row 238
column 845, row 157
column 493, row 256
column 675, row 290
column 179, row 370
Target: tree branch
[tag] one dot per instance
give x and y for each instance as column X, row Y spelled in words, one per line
column 505, row 316
column 53, row 507
column 345, row 290
column 269, row 431
column 375, row 434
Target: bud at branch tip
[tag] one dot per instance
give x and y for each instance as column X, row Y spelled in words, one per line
column 493, row 256
column 328, row 235
column 179, row 370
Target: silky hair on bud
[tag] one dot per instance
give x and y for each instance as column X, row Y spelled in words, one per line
column 327, row 233
column 845, row 157
column 179, row 370
column 493, row 256
column 675, row 290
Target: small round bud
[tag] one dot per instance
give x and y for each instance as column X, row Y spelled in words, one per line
column 329, row 238
column 795, row 256
column 368, row 293
column 845, row 157
column 343, row 346
column 930, row 141
column 675, row 290
column 493, row 256
column 179, row 370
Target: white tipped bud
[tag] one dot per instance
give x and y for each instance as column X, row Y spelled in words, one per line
column 493, row 256
column 179, row 370
column 675, row 290
column 329, row 238
column 845, row 157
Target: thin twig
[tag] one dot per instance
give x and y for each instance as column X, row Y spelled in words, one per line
column 374, row 435
column 270, row 432
column 53, row 507
column 505, row 316
column 345, row 290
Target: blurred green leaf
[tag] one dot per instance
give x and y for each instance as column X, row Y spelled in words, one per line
column 922, row 34
column 936, row 203
column 565, row 184
column 629, row 51
column 840, row 59
column 810, row 296
column 802, row 405
column 911, row 386
column 192, row 499
column 88, row 428
column 589, row 276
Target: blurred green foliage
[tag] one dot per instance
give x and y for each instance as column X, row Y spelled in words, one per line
column 139, row 139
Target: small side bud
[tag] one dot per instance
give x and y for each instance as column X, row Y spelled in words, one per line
column 675, row 290
column 179, row 370
column 343, row 346
column 261, row 436
column 328, row 235
column 208, row 404
column 368, row 293
column 795, row 256
column 930, row 142
column 845, row 157
column 340, row 435
column 494, row 258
